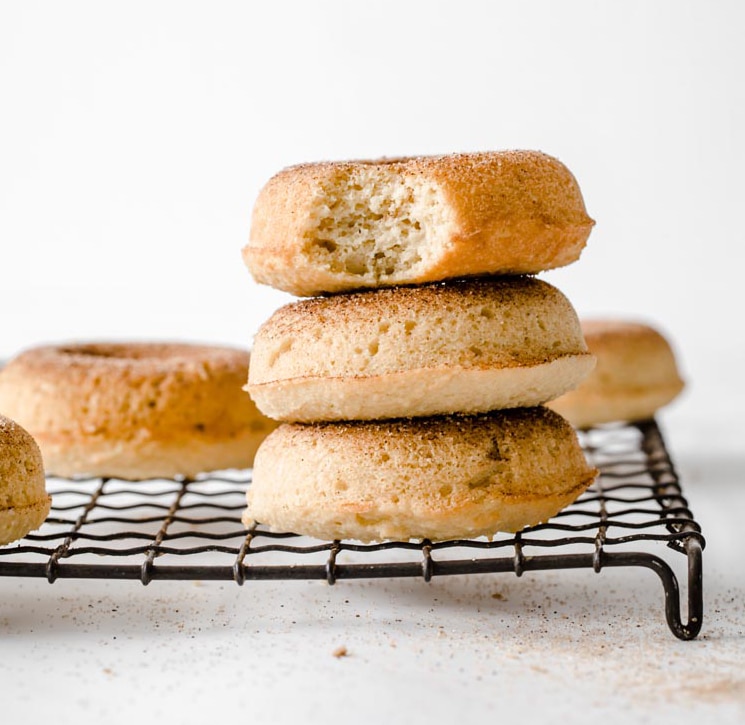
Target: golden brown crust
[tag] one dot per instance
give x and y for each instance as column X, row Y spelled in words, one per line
column 509, row 212
column 437, row 478
column 135, row 410
column 463, row 346
column 18, row 521
column 636, row 375
column 24, row 503
column 523, row 208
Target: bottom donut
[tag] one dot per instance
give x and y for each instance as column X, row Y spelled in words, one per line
column 438, row 478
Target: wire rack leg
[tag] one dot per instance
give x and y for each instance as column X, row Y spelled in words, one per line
column 682, row 630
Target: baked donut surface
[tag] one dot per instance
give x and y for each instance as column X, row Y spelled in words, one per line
column 339, row 226
column 135, row 410
column 433, row 478
column 636, row 374
column 464, row 346
column 24, row 503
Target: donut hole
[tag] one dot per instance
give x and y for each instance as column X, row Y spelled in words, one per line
column 92, row 351
column 128, row 351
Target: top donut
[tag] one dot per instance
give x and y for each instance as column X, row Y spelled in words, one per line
column 338, row 226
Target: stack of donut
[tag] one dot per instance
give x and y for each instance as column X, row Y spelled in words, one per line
column 410, row 385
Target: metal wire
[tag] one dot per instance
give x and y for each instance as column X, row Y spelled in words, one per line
column 191, row 529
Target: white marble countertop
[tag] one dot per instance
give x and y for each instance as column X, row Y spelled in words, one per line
column 571, row 645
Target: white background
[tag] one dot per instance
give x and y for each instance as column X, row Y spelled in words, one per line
column 134, row 137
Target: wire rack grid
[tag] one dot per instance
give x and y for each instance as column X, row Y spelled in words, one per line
column 635, row 515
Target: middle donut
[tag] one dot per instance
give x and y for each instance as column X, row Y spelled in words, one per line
column 467, row 346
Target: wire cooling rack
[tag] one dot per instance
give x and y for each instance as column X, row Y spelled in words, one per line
column 634, row 516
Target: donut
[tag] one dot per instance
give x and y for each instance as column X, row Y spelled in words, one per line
column 636, row 375
column 135, row 410
column 463, row 346
column 438, row 478
column 24, row 503
column 338, row 226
